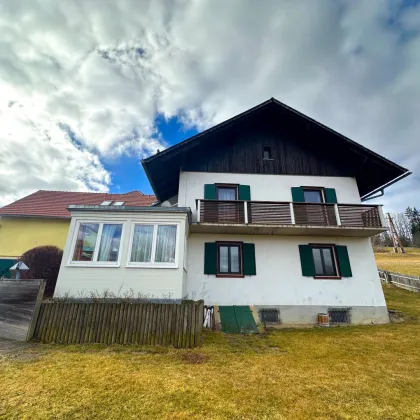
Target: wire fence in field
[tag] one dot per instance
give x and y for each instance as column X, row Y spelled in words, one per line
column 401, row 280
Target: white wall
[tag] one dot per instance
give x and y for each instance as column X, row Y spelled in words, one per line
column 156, row 282
column 279, row 279
column 263, row 187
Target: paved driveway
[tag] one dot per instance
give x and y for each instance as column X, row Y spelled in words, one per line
column 8, row 347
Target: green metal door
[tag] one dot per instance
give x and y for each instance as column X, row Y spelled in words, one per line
column 237, row 319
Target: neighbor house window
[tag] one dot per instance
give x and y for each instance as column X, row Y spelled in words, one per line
column 106, row 203
column 118, row 203
column 97, row 243
column 324, row 261
column 229, row 259
column 267, row 153
column 153, row 245
column 313, row 195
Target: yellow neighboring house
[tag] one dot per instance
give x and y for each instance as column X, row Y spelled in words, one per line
column 42, row 219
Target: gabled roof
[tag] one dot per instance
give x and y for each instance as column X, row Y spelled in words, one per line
column 369, row 168
column 54, row 203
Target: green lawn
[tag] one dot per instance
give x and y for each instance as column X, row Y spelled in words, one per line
column 369, row 372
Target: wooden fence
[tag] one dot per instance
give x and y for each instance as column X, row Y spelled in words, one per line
column 401, row 280
column 178, row 325
column 19, row 305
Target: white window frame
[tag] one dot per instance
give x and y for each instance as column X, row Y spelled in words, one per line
column 95, row 262
column 152, row 264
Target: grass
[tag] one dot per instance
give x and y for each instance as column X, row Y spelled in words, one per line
column 369, row 372
column 408, row 263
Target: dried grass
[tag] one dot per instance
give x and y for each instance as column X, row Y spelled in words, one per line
column 369, row 372
column 408, row 263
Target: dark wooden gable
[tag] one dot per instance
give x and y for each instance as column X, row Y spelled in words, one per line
column 298, row 144
column 240, row 150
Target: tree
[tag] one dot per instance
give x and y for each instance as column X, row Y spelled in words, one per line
column 413, row 216
column 44, row 263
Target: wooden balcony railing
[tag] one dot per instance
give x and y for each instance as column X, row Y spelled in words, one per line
column 287, row 213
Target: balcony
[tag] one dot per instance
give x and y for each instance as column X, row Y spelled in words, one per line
column 286, row 218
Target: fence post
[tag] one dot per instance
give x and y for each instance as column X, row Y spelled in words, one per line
column 35, row 313
column 198, row 210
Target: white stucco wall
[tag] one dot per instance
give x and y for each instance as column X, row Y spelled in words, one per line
column 154, row 282
column 263, row 187
column 279, row 279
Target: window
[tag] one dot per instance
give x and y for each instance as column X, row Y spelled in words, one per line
column 153, row 245
column 118, row 203
column 313, row 195
column 324, row 261
column 267, row 153
column 269, row 315
column 226, row 192
column 97, row 243
column 106, row 203
column 229, row 259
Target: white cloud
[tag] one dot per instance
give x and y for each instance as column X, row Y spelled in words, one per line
column 104, row 70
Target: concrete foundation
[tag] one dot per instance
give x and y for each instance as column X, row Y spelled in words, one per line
column 308, row 314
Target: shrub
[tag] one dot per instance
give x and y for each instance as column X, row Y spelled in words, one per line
column 44, row 263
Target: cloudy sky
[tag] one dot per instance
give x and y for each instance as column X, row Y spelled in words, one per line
column 88, row 88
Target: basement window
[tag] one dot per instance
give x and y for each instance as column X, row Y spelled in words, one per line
column 339, row 315
column 269, row 315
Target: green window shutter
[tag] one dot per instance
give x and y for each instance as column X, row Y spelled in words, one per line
column 248, row 258
column 343, row 261
column 209, row 192
column 244, row 192
column 307, row 260
column 330, row 195
column 210, row 258
column 297, row 195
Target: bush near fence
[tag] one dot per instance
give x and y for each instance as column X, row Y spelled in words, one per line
column 404, row 281
column 178, row 325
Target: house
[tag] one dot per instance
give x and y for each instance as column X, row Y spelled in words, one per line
column 264, row 209
column 42, row 218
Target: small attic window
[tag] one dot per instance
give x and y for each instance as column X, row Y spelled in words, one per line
column 267, row 153
column 106, row 203
column 119, row 203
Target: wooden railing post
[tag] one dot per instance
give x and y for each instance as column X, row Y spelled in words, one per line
column 381, row 215
column 337, row 214
column 292, row 214
column 198, row 210
column 246, row 212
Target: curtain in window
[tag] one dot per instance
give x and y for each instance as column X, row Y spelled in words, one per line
column 165, row 244
column 110, row 243
column 234, row 259
column 141, row 250
column 85, row 242
column 226, row 193
column 224, row 259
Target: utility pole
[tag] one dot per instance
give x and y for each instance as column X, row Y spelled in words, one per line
column 396, row 241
